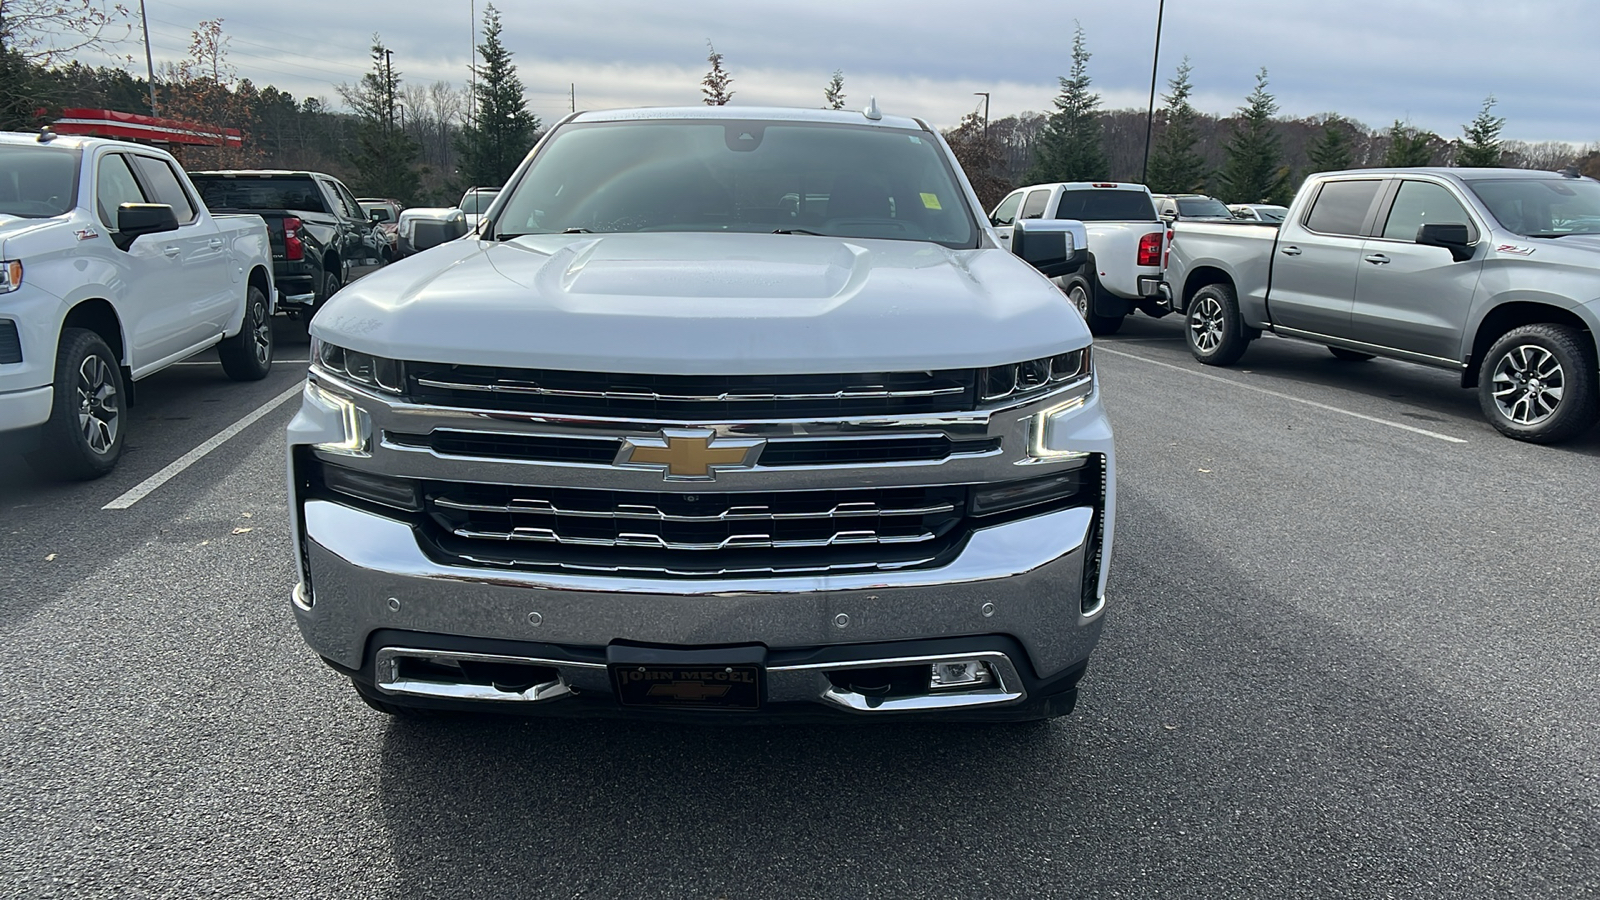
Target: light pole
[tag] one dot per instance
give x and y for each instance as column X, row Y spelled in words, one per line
column 985, row 96
column 388, row 85
column 149, row 64
column 1150, row 117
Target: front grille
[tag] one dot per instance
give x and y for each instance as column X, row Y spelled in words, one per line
column 10, row 343
column 604, row 450
column 695, row 534
column 691, row 397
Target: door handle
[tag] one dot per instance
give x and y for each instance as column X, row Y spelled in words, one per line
column 170, row 251
column 215, row 243
column 1377, row 259
column 1290, row 251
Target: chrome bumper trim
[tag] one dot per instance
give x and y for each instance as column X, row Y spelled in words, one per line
column 1022, row 578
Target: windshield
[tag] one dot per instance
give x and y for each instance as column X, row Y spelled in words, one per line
column 1264, row 213
column 1542, row 207
column 1201, row 207
column 858, row 181
column 37, row 182
column 476, row 202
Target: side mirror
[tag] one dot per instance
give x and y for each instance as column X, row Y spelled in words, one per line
column 1053, row 246
column 376, row 216
column 430, row 228
column 1453, row 237
column 1169, row 217
column 137, row 219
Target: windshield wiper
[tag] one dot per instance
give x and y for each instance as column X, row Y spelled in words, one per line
column 801, row 231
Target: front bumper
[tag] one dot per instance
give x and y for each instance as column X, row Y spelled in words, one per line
column 1022, row 579
column 25, row 409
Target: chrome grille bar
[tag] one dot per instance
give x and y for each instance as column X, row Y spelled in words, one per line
column 865, row 392
column 657, row 542
column 653, row 514
column 724, row 572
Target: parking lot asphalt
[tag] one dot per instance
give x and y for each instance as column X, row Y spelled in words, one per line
column 1351, row 652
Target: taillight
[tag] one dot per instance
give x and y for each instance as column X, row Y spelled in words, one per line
column 1150, row 249
column 1166, row 258
column 293, row 248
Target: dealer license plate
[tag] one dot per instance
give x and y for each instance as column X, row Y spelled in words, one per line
column 688, row 687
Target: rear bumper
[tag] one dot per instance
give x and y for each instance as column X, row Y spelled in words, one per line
column 1020, row 582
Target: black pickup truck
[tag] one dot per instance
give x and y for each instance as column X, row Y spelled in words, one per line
column 321, row 240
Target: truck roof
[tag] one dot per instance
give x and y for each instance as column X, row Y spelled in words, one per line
column 764, row 113
column 1450, row 172
column 258, row 173
column 66, row 141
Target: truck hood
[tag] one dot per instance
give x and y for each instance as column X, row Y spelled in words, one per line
column 705, row 304
column 16, row 226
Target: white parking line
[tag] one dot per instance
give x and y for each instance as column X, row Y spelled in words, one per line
column 145, row 487
column 1101, row 348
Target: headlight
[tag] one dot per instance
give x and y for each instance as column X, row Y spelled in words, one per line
column 1035, row 376
column 10, row 275
column 359, row 368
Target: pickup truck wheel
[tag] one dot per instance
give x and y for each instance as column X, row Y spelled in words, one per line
column 247, row 356
column 1079, row 294
column 1344, row 355
column 330, row 286
column 83, row 437
column 1214, row 330
column 1538, row 383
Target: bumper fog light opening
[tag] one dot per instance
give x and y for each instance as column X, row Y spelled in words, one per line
column 959, row 674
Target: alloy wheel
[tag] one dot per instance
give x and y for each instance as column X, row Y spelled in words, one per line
column 1205, row 324
column 261, row 333
column 1080, row 299
column 98, row 415
column 1528, row 382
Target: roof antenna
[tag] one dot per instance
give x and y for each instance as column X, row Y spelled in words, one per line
column 46, row 135
column 1571, row 171
column 872, row 112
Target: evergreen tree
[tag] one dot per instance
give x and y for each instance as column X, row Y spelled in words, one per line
column 717, row 81
column 1176, row 167
column 385, row 159
column 1069, row 148
column 1331, row 152
column 1253, row 169
column 502, row 130
column 1482, row 144
column 834, row 92
column 1408, row 146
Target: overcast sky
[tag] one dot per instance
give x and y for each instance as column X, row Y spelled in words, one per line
column 1431, row 62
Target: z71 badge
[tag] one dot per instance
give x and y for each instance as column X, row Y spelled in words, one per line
column 1514, row 248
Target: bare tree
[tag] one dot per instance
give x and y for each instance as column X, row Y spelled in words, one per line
column 45, row 32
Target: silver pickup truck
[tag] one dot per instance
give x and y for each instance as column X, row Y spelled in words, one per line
column 721, row 412
column 1494, row 273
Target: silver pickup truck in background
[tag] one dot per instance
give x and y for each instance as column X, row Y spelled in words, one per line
column 1494, row 273
column 724, row 412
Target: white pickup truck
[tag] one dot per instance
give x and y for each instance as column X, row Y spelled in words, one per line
column 1126, row 244
column 111, row 269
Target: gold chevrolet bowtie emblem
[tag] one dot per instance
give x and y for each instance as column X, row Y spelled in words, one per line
column 688, row 454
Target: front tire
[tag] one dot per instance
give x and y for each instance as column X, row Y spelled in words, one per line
column 330, row 286
column 247, row 356
column 1082, row 297
column 1213, row 328
column 1537, row 383
column 83, row 437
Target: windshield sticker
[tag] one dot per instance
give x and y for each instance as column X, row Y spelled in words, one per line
column 931, row 201
column 1514, row 248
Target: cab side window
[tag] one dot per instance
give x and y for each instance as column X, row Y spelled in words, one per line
column 160, row 178
column 1034, row 207
column 1420, row 203
column 1006, row 212
column 114, row 186
column 1341, row 207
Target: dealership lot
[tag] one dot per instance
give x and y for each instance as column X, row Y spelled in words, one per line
column 1351, row 652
